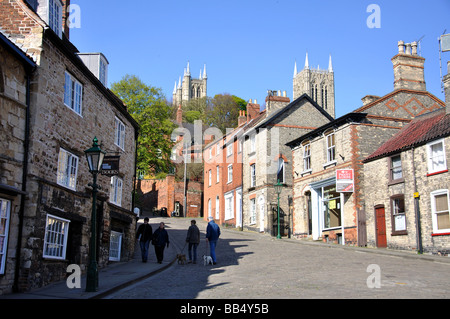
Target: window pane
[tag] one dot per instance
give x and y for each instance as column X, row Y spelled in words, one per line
column 443, row 220
column 441, row 202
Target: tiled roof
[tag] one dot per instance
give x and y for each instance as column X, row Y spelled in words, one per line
column 419, row 131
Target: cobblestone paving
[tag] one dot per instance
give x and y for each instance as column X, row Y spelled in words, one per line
column 257, row 266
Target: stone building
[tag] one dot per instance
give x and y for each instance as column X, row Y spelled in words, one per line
column 407, row 186
column 190, row 88
column 16, row 69
column 68, row 106
column 321, row 209
column 317, row 83
column 267, row 159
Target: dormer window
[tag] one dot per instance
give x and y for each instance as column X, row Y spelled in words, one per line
column 97, row 64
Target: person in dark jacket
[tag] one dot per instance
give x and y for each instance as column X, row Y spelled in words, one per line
column 212, row 235
column 160, row 240
column 144, row 235
column 193, row 238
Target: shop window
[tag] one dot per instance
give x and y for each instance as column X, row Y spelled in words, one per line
column 331, row 207
column 55, row 238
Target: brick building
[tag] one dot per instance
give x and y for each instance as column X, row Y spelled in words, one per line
column 223, row 175
column 68, row 106
column 407, row 186
column 321, row 211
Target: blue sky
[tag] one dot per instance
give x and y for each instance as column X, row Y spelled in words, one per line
column 250, row 46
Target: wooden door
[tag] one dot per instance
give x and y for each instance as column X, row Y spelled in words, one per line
column 381, row 227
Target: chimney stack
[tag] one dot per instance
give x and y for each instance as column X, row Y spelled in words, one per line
column 179, row 115
column 252, row 110
column 408, row 68
column 274, row 101
column 242, row 119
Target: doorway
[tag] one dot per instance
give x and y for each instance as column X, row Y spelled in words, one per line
column 380, row 226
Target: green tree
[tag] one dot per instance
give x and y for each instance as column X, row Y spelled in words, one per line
column 149, row 108
column 222, row 112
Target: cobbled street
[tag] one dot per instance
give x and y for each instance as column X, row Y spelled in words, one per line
column 252, row 265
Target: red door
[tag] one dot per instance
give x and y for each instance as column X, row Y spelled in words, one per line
column 381, row 227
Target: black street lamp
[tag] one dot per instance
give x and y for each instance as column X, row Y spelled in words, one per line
column 278, row 188
column 94, row 157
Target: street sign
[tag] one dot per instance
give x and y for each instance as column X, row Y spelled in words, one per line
column 344, row 181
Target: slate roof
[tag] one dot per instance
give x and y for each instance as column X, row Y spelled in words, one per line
column 419, row 131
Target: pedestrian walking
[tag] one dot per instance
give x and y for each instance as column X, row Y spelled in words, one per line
column 160, row 240
column 193, row 239
column 144, row 235
column 212, row 235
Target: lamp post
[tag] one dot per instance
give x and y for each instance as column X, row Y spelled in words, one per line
column 94, row 157
column 278, row 188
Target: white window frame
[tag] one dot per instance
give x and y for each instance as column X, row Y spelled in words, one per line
column 67, row 169
column 253, row 211
column 218, row 148
column 307, row 157
column 253, row 175
column 229, row 149
column 281, row 166
column 115, row 194
column 119, row 133
column 56, row 235
column 209, row 208
column 55, row 20
column 230, row 173
column 209, row 177
column 218, row 174
column 253, row 143
column 229, row 205
column 217, row 207
column 73, row 93
column 115, row 245
column 434, row 213
column 5, row 215
column 432, row 168
column 331, row 148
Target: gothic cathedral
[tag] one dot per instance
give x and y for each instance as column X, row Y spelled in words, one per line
column 317, row 83
column 189, row 88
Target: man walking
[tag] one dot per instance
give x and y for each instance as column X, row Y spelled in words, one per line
column 144, row 234
column 193, row 239
column 212, row 235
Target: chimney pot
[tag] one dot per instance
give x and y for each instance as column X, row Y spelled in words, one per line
column 401, row 46
column 408, row 48
column 414, row 48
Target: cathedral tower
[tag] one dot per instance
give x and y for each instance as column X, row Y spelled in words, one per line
column 189, row 88
column 317, row 83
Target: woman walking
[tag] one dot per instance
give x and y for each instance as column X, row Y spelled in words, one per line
column 160, row 240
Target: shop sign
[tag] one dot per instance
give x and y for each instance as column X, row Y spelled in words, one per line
column 110, row 166
column 344, row 181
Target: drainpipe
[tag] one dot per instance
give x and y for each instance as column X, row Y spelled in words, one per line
column 417, row 210
column 24, row 182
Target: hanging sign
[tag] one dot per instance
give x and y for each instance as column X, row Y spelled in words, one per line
column 344, row 181
column 110, row 166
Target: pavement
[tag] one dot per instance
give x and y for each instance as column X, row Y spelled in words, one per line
column 119, row 275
